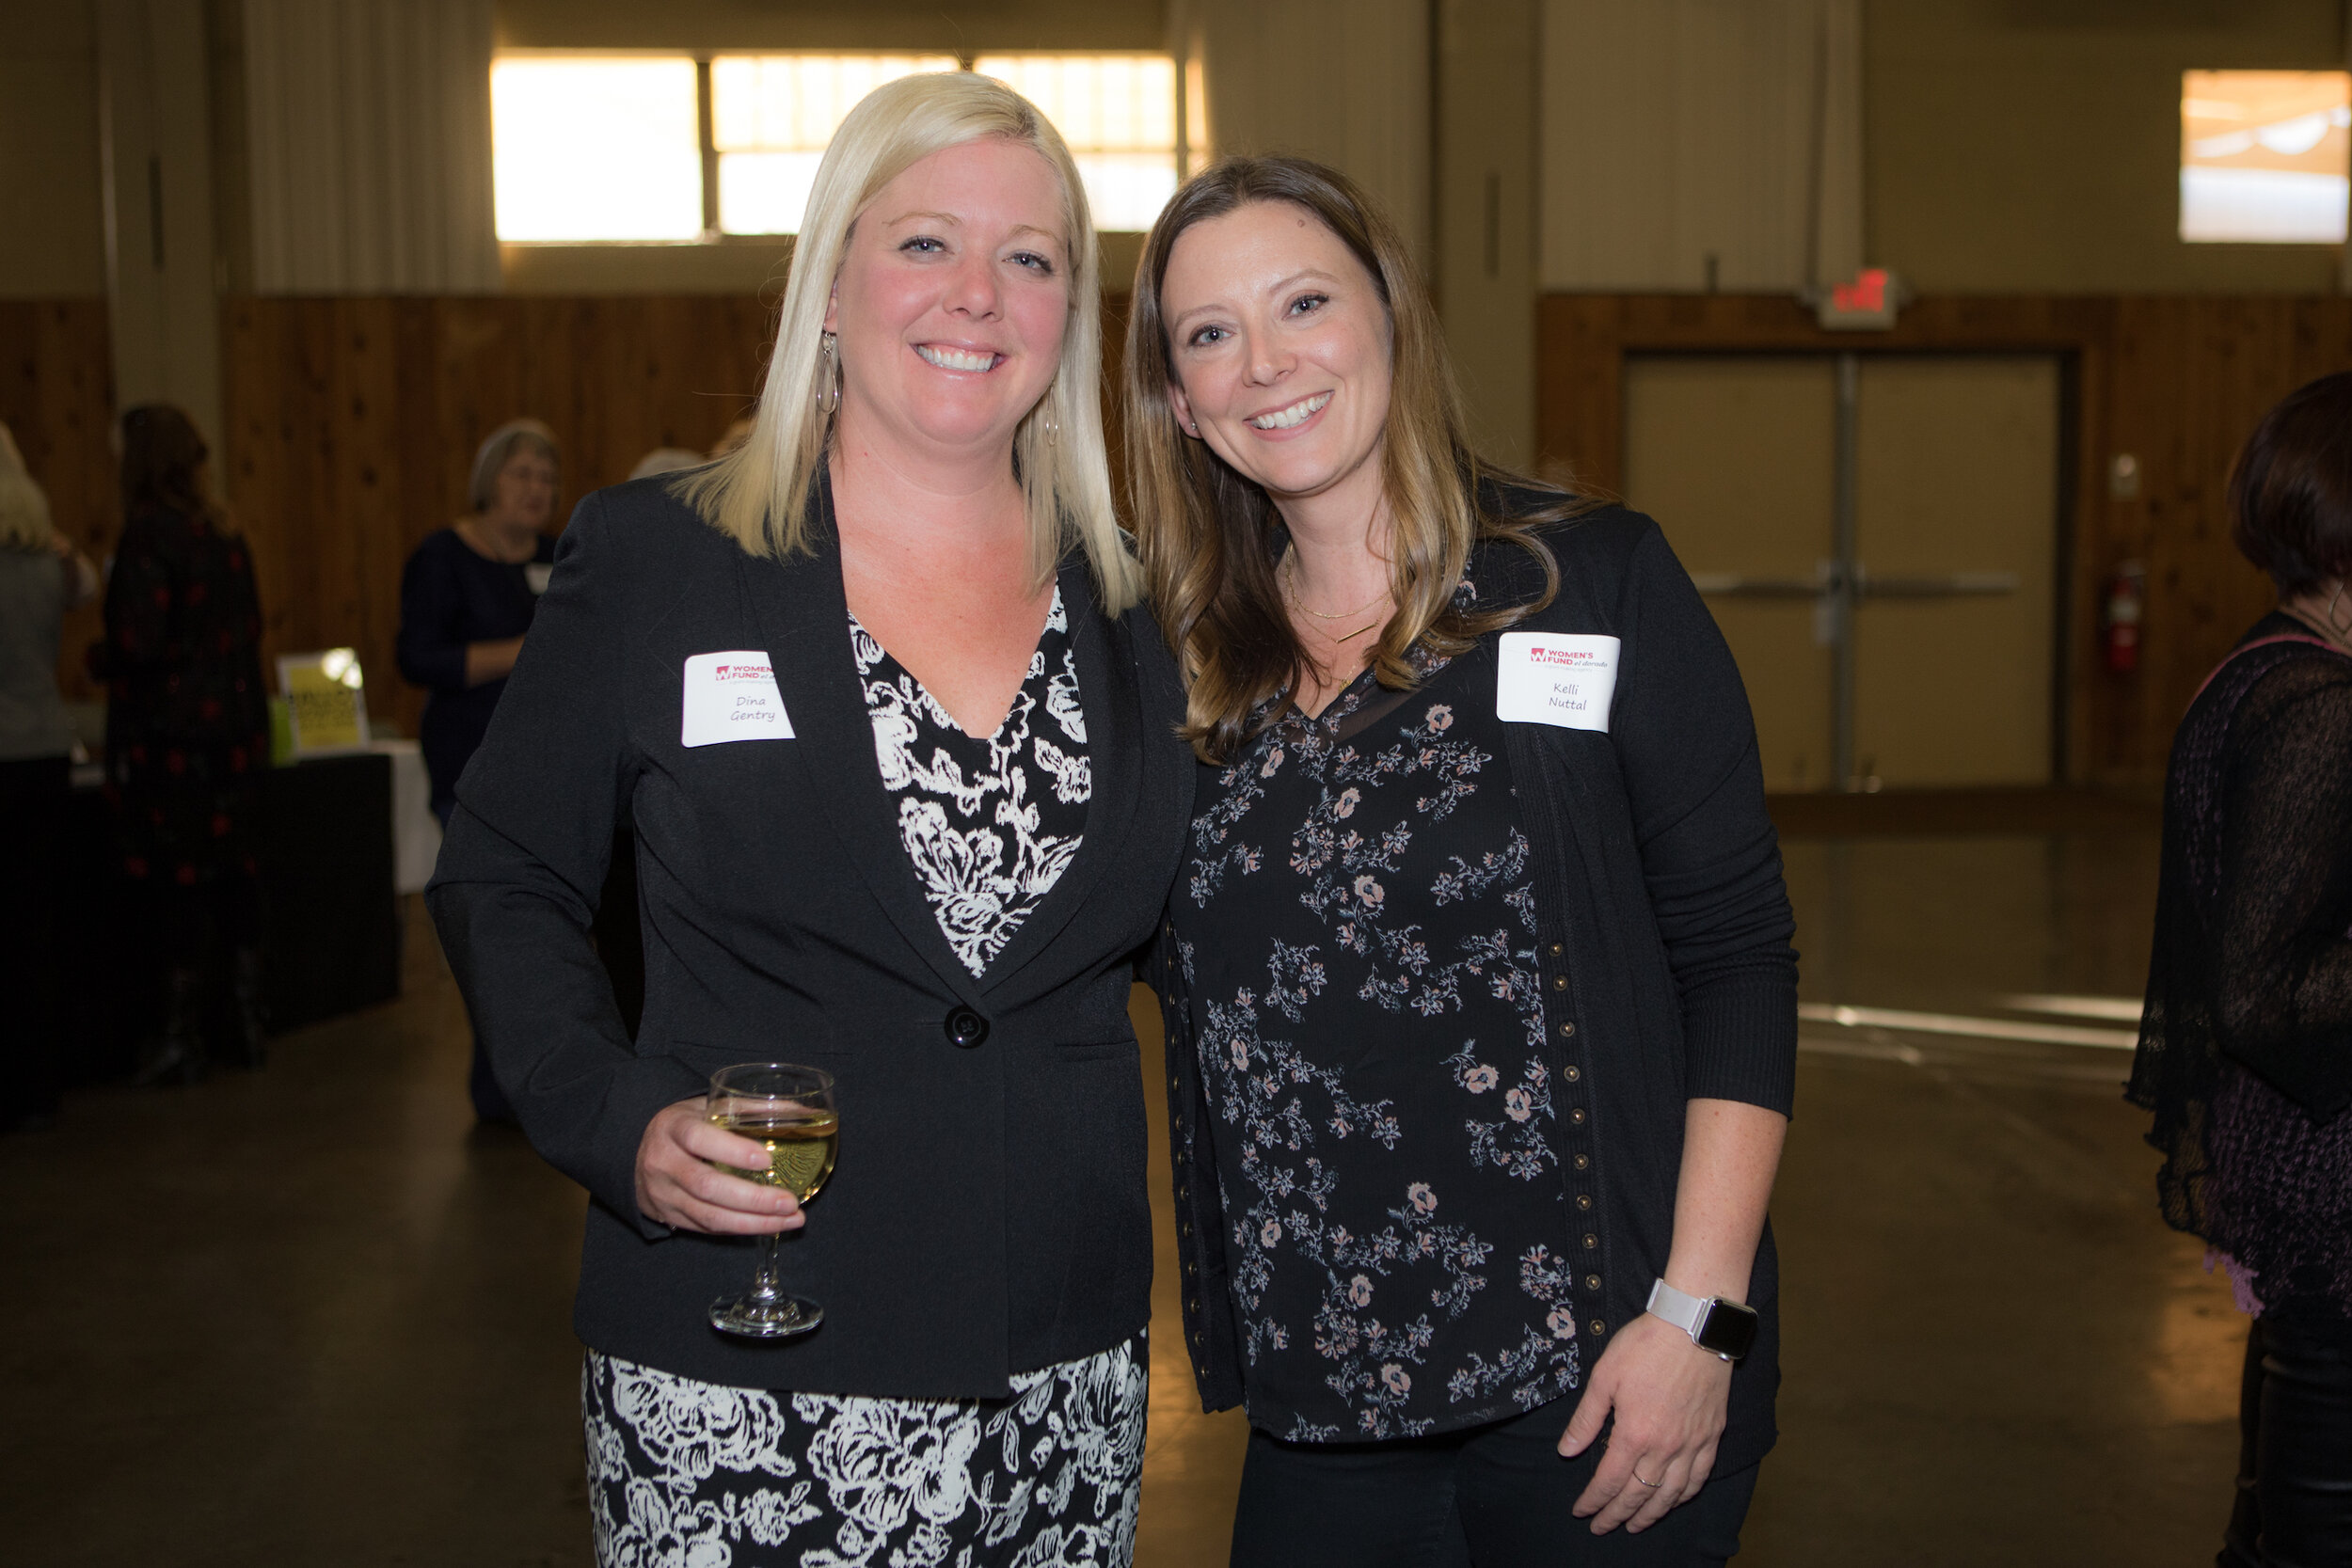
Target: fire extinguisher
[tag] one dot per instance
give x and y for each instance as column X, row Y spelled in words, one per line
column 2125, row 602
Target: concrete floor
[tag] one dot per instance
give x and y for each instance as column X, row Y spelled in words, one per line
column 315, row 1316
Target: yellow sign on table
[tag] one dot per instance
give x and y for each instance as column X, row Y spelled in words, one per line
column 327, row 700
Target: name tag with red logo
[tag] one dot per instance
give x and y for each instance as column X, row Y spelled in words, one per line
column 1563, row 678
column 732, row 696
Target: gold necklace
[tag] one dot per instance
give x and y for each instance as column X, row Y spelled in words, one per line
column 1289, row 576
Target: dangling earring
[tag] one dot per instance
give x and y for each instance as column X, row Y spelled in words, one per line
column 2343, row 627
column 827, row 377
column 1051, row 426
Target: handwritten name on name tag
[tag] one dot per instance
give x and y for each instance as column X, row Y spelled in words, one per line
column 1563, row 678
column 732, row 696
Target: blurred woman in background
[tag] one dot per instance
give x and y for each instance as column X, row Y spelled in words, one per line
column 466, row 598
column 2246, row 1042
column 187, row 732
column 41, row 576
column 467, row 594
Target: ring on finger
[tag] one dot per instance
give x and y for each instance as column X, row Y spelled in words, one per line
column 1651, row 1484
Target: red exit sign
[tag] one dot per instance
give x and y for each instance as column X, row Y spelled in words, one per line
column 1867, row 304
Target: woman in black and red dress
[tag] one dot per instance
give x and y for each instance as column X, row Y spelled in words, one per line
column 187, row 731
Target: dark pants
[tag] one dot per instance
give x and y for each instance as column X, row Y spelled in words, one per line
column 2295, row 1445
column 1495, row 1496
column 34, row 794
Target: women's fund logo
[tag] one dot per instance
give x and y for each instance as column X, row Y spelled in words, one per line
column 1563, row 679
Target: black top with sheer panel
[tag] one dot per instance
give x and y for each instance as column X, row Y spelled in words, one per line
column 2246, row 1042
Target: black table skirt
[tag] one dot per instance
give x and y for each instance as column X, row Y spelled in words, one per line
column 331, row 919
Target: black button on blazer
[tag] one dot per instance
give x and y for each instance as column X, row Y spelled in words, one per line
column 988, row 1215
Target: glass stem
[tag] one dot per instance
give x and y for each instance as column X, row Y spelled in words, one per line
column 767, row 1285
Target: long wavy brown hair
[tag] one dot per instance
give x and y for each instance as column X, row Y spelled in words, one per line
column 1211, row 540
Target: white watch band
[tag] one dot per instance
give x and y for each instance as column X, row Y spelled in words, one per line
column 1676, row 1307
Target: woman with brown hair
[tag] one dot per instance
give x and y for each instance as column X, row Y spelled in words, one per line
column 1481, row 1009
column 2246, row 1042
column 187, row 732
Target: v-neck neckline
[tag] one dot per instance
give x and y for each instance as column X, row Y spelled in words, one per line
column 801, row 611
column 1029, row 670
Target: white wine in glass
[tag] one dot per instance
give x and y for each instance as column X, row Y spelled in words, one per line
column 790, row 1110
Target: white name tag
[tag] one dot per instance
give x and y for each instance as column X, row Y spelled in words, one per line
column 732, row 696
column 1563, row 678
column 536, row 575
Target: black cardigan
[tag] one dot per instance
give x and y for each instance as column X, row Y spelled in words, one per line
column 1661, row 905
column 989, row 1213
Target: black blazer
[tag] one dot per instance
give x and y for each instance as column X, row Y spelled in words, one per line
column 989, row 1213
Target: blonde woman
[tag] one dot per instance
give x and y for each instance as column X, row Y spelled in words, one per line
column 1482, row 1015
column 41, row 576
column 921, row 859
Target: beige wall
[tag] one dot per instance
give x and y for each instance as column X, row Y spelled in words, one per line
column 1484, row 251
column 1344, row 81
column 2033, row 146
column 53, row 241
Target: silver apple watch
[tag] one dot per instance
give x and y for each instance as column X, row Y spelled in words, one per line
column 1725, row 1328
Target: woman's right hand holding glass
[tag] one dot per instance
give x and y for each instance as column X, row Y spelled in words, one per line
column 679, row 1186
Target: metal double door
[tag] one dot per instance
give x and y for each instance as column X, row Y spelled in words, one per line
column 1877, row 536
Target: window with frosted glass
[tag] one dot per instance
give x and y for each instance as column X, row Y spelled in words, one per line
column 770, row 118
column 2263, row 156
column 1117, row 113
column 596, row 148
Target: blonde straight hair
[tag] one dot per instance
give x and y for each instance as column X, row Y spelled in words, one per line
column 758, row 494
column 25, row 522
column 1212, row 540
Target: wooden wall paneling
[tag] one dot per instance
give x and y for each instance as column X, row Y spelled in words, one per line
column 2193, row 377
column 2151, row 353
column 1115, row 314
column 425, row 500
column 354, row 423
column 274, row 397
column 478, row 349
column 365, row 528
column 56, row 397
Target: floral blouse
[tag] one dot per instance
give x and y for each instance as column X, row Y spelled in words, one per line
column 1356, row 914
column 989, row 822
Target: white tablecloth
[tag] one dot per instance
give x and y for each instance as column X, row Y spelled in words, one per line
column 415, row 834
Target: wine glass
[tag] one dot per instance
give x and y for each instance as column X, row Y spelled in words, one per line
column 790, row 1110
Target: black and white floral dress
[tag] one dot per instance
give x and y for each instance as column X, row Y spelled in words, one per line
column 685, row 1474
column 1355, row 916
